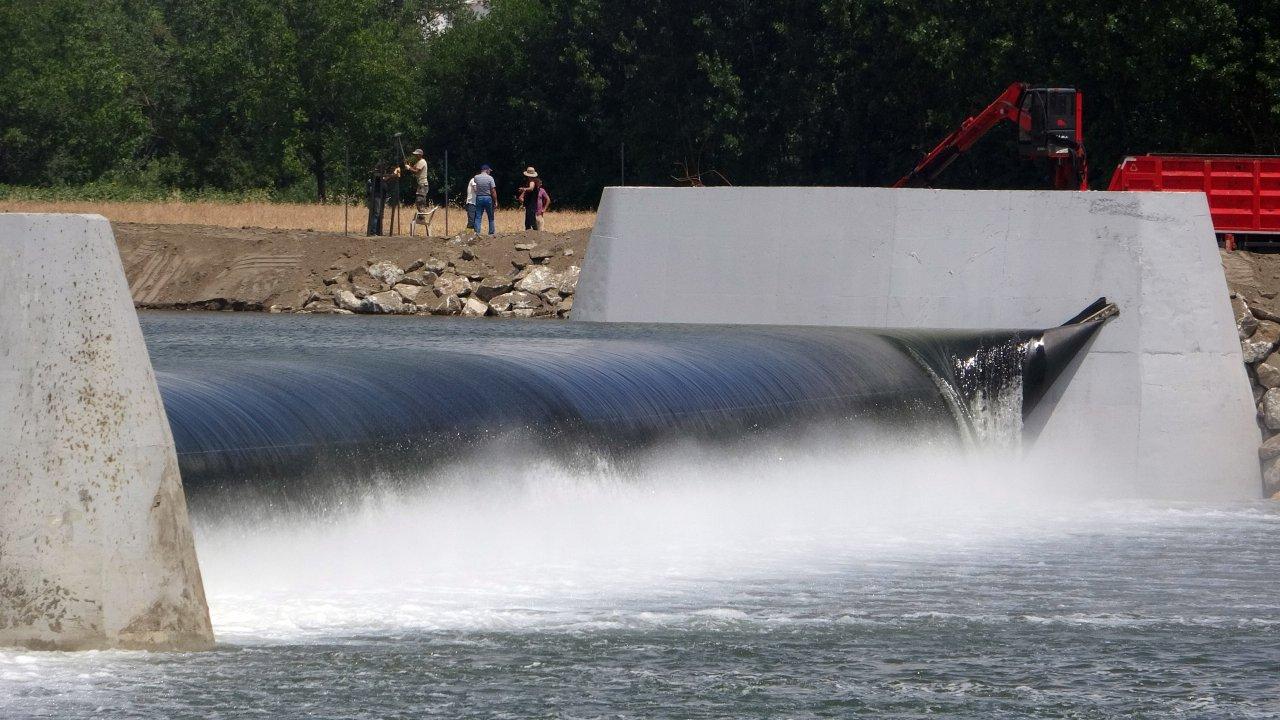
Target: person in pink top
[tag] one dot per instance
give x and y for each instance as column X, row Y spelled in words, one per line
column 544, row 202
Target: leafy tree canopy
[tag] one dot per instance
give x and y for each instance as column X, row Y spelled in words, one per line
column 302, row 97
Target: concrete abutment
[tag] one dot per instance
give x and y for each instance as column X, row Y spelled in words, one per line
column 95, row 543
column 1160, row 405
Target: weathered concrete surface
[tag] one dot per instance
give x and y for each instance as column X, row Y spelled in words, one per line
column 1160, row 405
column 95, row 544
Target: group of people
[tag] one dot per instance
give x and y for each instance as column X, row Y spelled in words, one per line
column 482, row 194
column 482, row 199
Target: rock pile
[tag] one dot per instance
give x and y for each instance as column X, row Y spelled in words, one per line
column 463, row 286
column 1259, row 331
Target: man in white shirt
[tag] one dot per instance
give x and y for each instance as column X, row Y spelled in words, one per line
column 418, row 166
column 471, row 203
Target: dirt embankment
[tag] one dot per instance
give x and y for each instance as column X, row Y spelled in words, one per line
column 203, row 266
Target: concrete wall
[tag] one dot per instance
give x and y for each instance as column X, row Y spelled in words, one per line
column 95, row 545
column 1159, row 406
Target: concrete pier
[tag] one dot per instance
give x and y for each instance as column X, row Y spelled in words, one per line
column 95, row 543
column 1159, row 406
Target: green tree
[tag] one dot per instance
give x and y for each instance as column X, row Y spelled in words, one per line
column 234, row 109
column 289, row 95
column 352, row 64
column 72, row 107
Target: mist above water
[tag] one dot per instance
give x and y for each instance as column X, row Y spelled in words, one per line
column 826, row 576
column 496, row 541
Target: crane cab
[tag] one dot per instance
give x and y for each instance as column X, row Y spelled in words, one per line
column 1050, row 122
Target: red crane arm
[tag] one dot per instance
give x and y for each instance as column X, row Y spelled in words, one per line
column 1005, row 107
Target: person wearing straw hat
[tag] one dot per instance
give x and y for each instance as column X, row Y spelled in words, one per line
column 417, row 165
column 528, row 194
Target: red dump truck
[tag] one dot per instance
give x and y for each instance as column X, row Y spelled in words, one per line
column 1243, row 190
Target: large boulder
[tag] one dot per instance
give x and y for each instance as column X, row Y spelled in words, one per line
column 473, row 269
column 329, row 310
column 567, row 282
column 386, row 303
column 409, row 292
column 1271, row 477
column 447, row 305
column 1268, row 371
column 425, row 278
column 565, row 307
column 1261, row 342
column 515, row 300
column 347, row 300
column 473, row 307
column 1270, row 448
column 387, row 272
column 435, row 265
column 1271, row 409
column 1246, row 323
column 451, row 284
column 492, row 286
column 537, row 280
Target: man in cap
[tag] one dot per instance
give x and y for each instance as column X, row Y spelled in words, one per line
column 417, row 165
column 486, row 196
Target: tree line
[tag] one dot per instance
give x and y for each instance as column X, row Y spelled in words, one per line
column 300, row 98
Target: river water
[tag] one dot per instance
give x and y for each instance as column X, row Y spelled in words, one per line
column 806, row 578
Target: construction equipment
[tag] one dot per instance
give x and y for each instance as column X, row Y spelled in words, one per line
column 1243, row 190
column 1049, row 124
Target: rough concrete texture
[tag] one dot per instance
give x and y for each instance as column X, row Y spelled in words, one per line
column 1160, row 406
column 95, row 544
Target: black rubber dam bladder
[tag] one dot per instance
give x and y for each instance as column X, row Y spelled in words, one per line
column 290, row 423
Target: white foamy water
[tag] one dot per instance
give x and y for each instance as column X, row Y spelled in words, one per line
column 804, row 580
column 533, row 544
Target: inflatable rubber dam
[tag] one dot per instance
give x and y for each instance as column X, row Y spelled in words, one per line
column 712, row 333
column 330, row 410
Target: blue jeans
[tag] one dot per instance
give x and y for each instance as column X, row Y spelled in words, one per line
column 484, row 204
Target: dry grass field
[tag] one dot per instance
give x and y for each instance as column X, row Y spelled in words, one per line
column 321, row 218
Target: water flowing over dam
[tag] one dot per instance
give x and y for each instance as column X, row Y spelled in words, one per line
column 439, row 519
column 801, row 574
column 323, row 410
